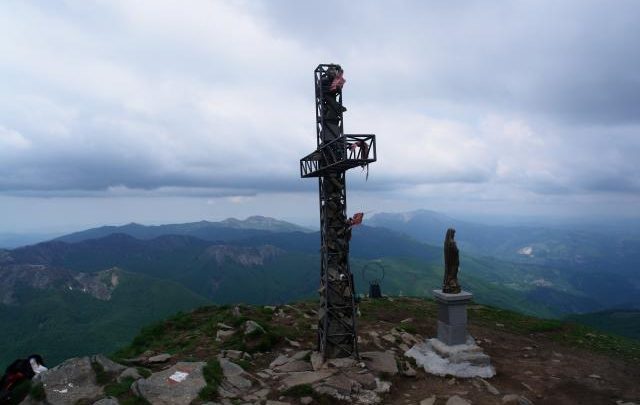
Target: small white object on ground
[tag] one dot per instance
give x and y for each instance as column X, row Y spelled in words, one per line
column 179, row 376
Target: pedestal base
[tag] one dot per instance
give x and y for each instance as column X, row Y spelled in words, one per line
column 464, row 361
column 452, row 316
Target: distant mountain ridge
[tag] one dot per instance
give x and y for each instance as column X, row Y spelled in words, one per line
column 230, row 262
column 604, row 265
column 228, row 229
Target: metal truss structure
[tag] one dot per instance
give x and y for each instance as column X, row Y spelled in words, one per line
column 335, row 154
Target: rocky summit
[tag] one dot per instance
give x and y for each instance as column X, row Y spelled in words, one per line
column 265, row 355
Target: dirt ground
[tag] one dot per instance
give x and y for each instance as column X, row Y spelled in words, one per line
column 532, row 365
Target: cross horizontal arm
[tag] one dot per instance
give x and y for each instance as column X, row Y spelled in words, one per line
column 339, row 155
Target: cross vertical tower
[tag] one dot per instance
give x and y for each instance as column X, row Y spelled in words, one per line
column 335, row 154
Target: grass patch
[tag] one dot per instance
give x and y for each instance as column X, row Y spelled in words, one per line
column 134, row 400
column 102, row 377
column 408, row 328
column 37, row 392
column 298, row 391
column 213, row 376
column 119, row 389
column 144, row 372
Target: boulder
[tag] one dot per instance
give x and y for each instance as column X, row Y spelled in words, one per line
column 252, row 327
column 70, row 382
column 292, row 366
column 316, row 360
column 306, row 377
column 234, row 374
column 160, row 358
column 382, row 362
column 129, row 373
column 107, row 401
column 223, row 334
column 456, row 400
column 343, row 362
column 177, row 385
column 107, row 364
column 429, row 401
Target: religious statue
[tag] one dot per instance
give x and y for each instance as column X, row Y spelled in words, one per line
column 451, row 264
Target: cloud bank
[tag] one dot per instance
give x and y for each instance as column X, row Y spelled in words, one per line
column 514, row 102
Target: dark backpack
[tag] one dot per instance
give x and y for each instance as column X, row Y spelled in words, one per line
column 17, row 372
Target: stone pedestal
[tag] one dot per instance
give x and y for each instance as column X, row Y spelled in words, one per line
column 454, row 351
column 452, row 316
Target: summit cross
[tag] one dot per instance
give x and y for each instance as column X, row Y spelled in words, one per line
column 335, row 154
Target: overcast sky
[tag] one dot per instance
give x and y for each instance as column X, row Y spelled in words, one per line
column 163, row 111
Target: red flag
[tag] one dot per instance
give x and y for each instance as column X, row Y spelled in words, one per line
column 357, row 218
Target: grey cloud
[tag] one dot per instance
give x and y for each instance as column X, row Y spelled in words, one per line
column 123, row 104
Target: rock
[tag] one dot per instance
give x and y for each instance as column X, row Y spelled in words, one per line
column 107, row 364
column 316, row 360
column 343, row 362
column 368, row 397
column 300, row 355
column 408, row 338
column 277, row 403
column 107, row 401
column 456, row 400
column 382, row 386
column 382, row 362
column 234, row 374
column 293, row 343
column 252, row 327
column 343, row 386
column 366, row 379
column 293, row 366
column 223, row 334
column 262, row 394
column 224, row 326
column 233, row 354
column 70, row 382
column 129, row 373
column 429, row 401
column 177, row 385
column 160, row 358
column 514, row 399
column 389, row 338
column 490, row 387
column 306, row 377
column 236, row 312
column 408, row 370
column 280, row 360
column 306, row 400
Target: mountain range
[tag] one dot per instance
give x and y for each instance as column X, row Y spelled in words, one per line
column 124, row 277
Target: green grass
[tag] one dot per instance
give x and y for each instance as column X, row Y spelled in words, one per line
column 119, row 389
column 298, row 391
column 72, row 323
column 569, row 334
column 102, row 377
column 213, row 376
column 37, row 392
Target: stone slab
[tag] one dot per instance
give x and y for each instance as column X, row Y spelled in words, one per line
column 177, row 385
column 461, row 297
column 464, row 361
